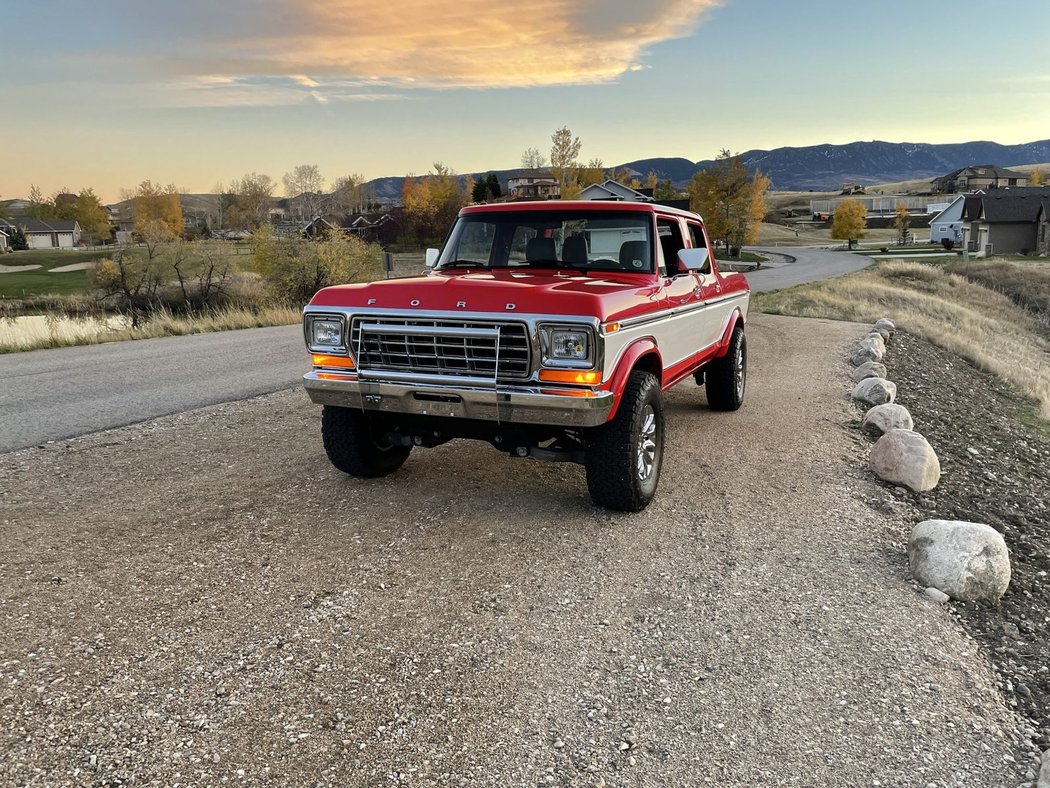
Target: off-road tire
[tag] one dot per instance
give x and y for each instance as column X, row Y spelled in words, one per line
column 352, row 446
column 727, row 376
column 612, row 451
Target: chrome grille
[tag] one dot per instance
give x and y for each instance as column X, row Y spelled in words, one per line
column 464, row 348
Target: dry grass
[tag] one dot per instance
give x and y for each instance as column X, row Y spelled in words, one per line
column 34, row 333
column 980, row 324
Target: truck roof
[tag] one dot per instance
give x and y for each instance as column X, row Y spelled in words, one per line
column 578, row 205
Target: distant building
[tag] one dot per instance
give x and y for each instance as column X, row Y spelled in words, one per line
column 533, row 186
column 980, row 176
column 5, row 244
column 1007, row 221
column 947, row 225
column 615, row 191
column 44, row 235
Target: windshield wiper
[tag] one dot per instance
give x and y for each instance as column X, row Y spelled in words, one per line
column 462, row 264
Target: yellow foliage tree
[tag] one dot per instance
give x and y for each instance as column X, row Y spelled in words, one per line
column 433, row 201
column 850, row 221
column 902, row 221
column 732, row 202
column 1037, row 178
column 156, row 203
column 565, row 166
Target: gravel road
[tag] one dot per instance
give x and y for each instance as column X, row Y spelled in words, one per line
column 203, row 599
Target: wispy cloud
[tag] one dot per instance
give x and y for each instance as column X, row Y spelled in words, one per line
column 447, row 43
column 224, row 91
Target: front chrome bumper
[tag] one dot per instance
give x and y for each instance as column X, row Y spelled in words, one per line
column 509, row 404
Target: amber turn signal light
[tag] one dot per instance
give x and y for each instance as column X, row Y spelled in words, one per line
column 570, row 376
column 322, row 360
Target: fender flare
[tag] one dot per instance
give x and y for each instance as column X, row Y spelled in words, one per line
column 635, row 352
column 737, row 318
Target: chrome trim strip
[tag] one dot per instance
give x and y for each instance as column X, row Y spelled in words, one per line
column 429, row 331
column 423, row 379
column 635, row 322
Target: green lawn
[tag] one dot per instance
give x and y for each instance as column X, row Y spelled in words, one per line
column 41, row 281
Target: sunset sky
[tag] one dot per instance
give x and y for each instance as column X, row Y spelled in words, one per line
column 196, row 93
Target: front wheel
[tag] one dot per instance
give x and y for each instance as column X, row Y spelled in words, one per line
column 355, row 447
column 727, row 376
column 624, row 456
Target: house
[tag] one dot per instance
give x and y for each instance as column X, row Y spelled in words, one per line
column 533, row 186
column 44, row 235
column 1006, row 221
column 614, row 190
column 1042, row 223
column 5, row 242
column 947, row 225
column 980, row 176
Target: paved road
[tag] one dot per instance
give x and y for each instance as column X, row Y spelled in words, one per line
column 810, row 265
column 57, row 394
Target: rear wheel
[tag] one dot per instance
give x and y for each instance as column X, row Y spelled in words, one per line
column 623, row 457
column 354, row 446
column 727, row 376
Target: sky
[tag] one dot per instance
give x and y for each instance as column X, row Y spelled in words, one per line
column 200, row 92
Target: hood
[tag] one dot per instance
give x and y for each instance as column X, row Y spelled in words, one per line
column 607, row 296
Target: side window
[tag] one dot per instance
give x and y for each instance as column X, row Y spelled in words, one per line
column 696, row 236
column 670, row 232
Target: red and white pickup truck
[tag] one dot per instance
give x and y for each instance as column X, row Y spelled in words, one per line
column 548, row 329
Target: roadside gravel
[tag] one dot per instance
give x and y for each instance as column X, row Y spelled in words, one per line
column 202, row 599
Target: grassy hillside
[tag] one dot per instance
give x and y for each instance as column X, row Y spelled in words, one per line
column 986, row 325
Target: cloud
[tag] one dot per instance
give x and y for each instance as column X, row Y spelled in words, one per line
column 451, row 43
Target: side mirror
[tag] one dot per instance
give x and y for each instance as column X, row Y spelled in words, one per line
column 698, row 260
column 432, row 257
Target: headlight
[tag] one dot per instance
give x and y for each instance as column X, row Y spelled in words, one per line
column 567, row 346
column 326, row 332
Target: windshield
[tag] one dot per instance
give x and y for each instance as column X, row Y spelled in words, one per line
column 581, row 240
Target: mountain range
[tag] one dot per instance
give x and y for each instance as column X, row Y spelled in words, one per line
column 821, row 167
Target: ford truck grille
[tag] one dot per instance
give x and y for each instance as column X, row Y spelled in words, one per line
column 463, row 348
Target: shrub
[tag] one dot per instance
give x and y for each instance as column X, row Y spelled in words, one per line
column 296, row 268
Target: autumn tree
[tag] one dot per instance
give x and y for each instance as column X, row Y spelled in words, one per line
column 156, row 203
column 565, row 166
column 902, row 221
column 252, row 202
column 432, row 202
column 91, row 216
column 732, row 202
column 305, row 183
column 850, row 221
column 1037, row 177
column 592, row 172
column 532, row 159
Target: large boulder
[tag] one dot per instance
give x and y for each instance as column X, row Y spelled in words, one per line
column 869, row 369
column 967, row 561
column 906, row 458
column 888, row 416
column 875, row 391
column 885, row 324
column 868, row 349
column 882, row 332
